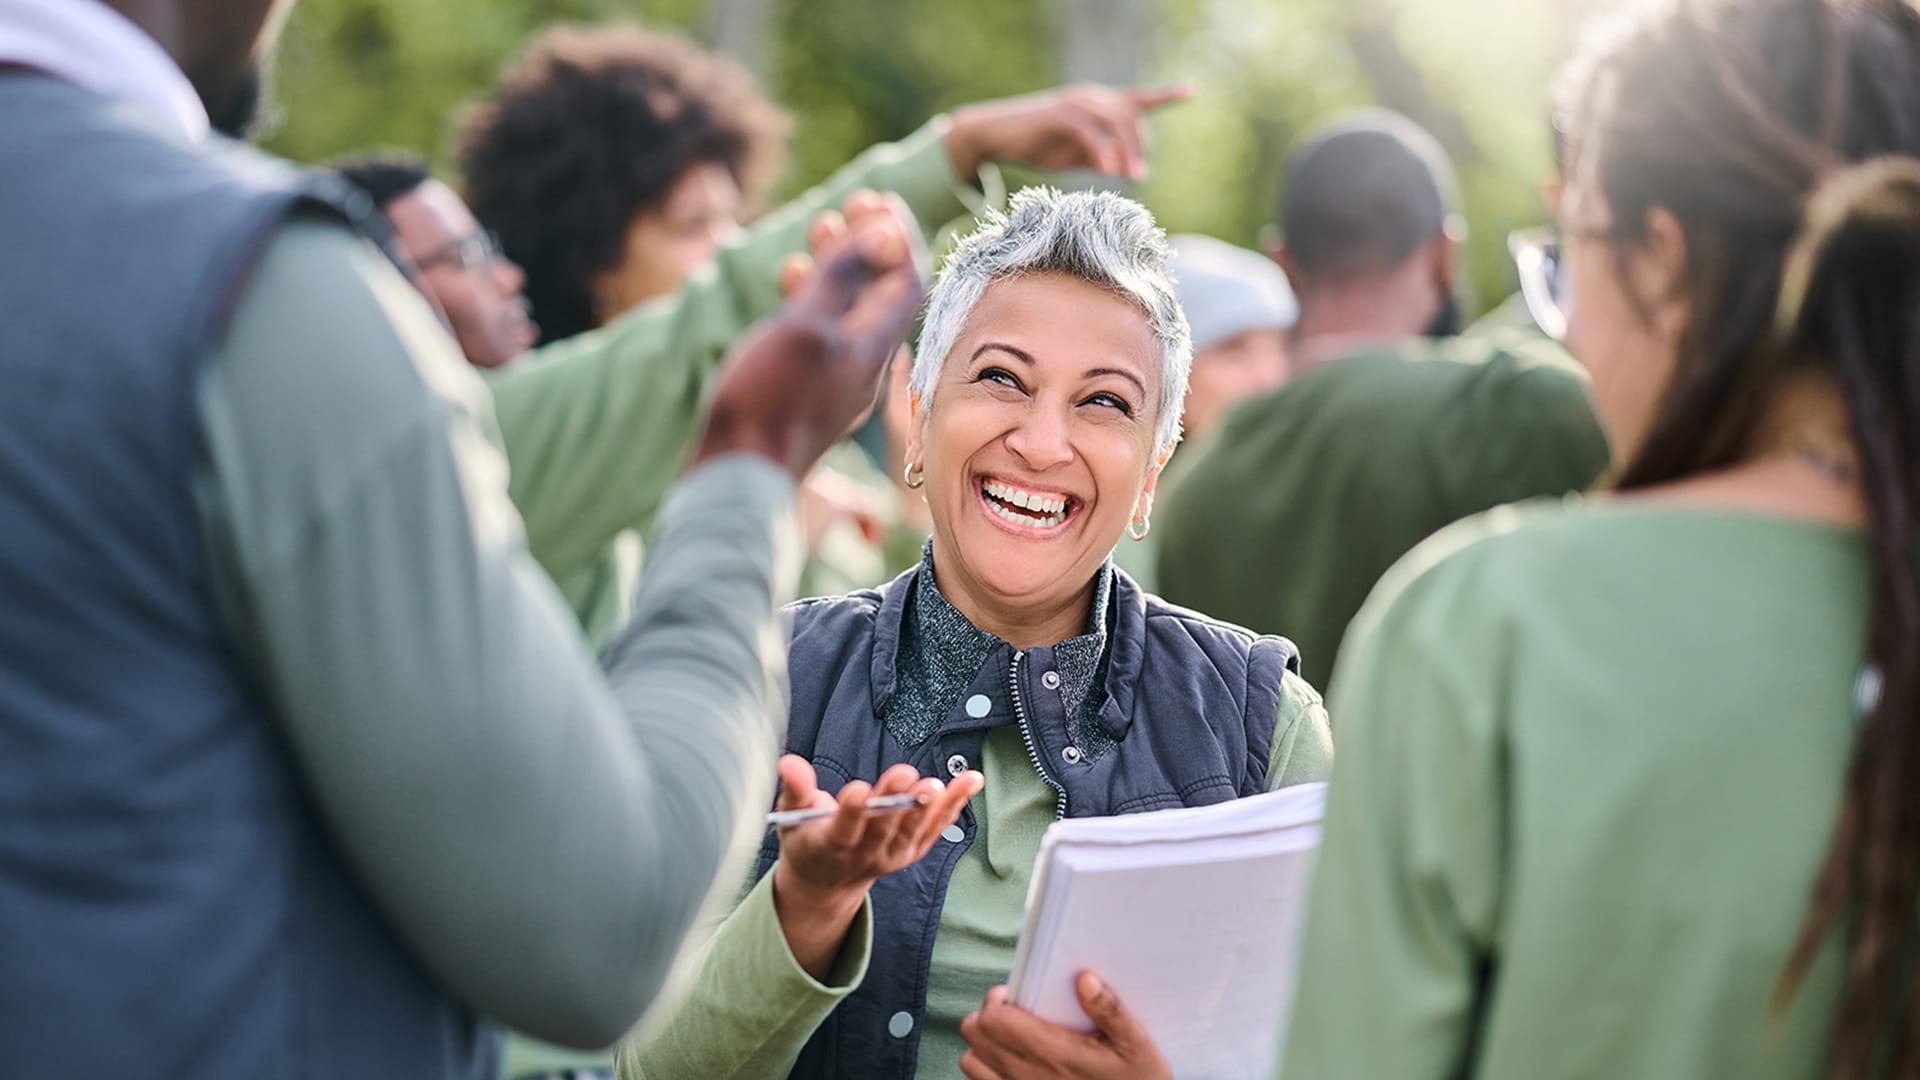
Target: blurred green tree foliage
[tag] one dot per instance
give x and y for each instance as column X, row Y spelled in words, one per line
column 360, row 73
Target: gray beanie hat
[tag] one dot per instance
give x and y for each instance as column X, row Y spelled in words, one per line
column 1228, row 290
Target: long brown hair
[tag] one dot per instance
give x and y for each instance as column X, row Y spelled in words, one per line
column 1783, row 134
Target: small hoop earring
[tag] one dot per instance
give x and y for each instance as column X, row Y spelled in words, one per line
column 1145, row 525
column 912, row 484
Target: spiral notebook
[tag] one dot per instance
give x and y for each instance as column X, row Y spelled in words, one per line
column 1192, row 916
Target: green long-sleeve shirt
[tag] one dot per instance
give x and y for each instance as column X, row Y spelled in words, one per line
column 1289, row 513
column 1590, row 761
column 538, row 836
column 597, row 427
column 752, row 1008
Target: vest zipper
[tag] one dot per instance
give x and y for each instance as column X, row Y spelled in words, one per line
column 1026, row 733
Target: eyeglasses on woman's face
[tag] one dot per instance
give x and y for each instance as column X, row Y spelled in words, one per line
column 1545, row 284
column 476, row 253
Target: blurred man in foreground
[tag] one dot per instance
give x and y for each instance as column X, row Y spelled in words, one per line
column 308, row 772
column 1386, row 430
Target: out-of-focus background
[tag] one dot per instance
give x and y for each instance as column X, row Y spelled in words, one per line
column 854, row 72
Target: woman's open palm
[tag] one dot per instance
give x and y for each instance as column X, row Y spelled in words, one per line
column 851, row 850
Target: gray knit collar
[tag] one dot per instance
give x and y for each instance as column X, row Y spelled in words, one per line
column 940, row 654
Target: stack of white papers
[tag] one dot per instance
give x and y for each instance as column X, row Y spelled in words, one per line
column 1193, row 918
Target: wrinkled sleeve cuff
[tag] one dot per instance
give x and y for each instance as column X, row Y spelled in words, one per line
column 761, row 922
column 752, row 1008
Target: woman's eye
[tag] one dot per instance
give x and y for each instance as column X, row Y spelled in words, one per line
column 1112, row 401
column 999, row 375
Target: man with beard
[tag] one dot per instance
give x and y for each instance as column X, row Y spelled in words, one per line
column 306, row 772
column 1389, row 428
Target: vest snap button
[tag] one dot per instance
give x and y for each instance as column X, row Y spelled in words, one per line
column 979, row 705
column 956, row 764
column 900, row 1025
column 953, row 834
column 1050, row 680
column 1072, row 754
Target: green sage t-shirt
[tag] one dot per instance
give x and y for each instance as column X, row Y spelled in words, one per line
column 1288, row 515
column 1591, row 754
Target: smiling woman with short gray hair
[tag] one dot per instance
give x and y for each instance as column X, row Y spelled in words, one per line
column 1096, row 237
column 1014, row 659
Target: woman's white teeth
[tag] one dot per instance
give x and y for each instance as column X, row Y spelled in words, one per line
column 1046, row 504
column 1032, row 521
column 1041, row 511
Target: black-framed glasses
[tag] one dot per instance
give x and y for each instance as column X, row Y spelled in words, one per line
column 475, row 252
column 1540, row 255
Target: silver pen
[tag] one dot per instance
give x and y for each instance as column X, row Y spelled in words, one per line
column 879, row 804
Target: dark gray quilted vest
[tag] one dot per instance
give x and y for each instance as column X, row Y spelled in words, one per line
column 168, row 906
column 1190, row 709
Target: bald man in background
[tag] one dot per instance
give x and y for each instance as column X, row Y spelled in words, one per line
column 1389, row 427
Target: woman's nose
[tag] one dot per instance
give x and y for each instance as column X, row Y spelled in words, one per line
column 1042, row 440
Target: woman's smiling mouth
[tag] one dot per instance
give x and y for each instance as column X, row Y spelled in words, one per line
column 1025, row 511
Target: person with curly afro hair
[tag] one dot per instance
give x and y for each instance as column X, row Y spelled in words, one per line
column 611, row 161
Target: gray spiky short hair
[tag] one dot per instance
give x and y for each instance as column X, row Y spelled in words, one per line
column 1099, row 237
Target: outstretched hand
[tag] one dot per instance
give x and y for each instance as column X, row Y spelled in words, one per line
column 826, row 867
column 1007, row 1042
column 803, row 377
column 1080, row 127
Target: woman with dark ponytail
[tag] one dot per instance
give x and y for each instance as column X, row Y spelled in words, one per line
column 1630, row 786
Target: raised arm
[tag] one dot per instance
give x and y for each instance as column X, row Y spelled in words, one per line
column 597, row 427
column 539, row 841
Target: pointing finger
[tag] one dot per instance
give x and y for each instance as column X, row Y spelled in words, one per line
column 1124, row 127
column 1152, row 97
column 1096, row 145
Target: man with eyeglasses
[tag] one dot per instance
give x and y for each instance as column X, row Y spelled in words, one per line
column 1393, row 430
column 459, row 266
